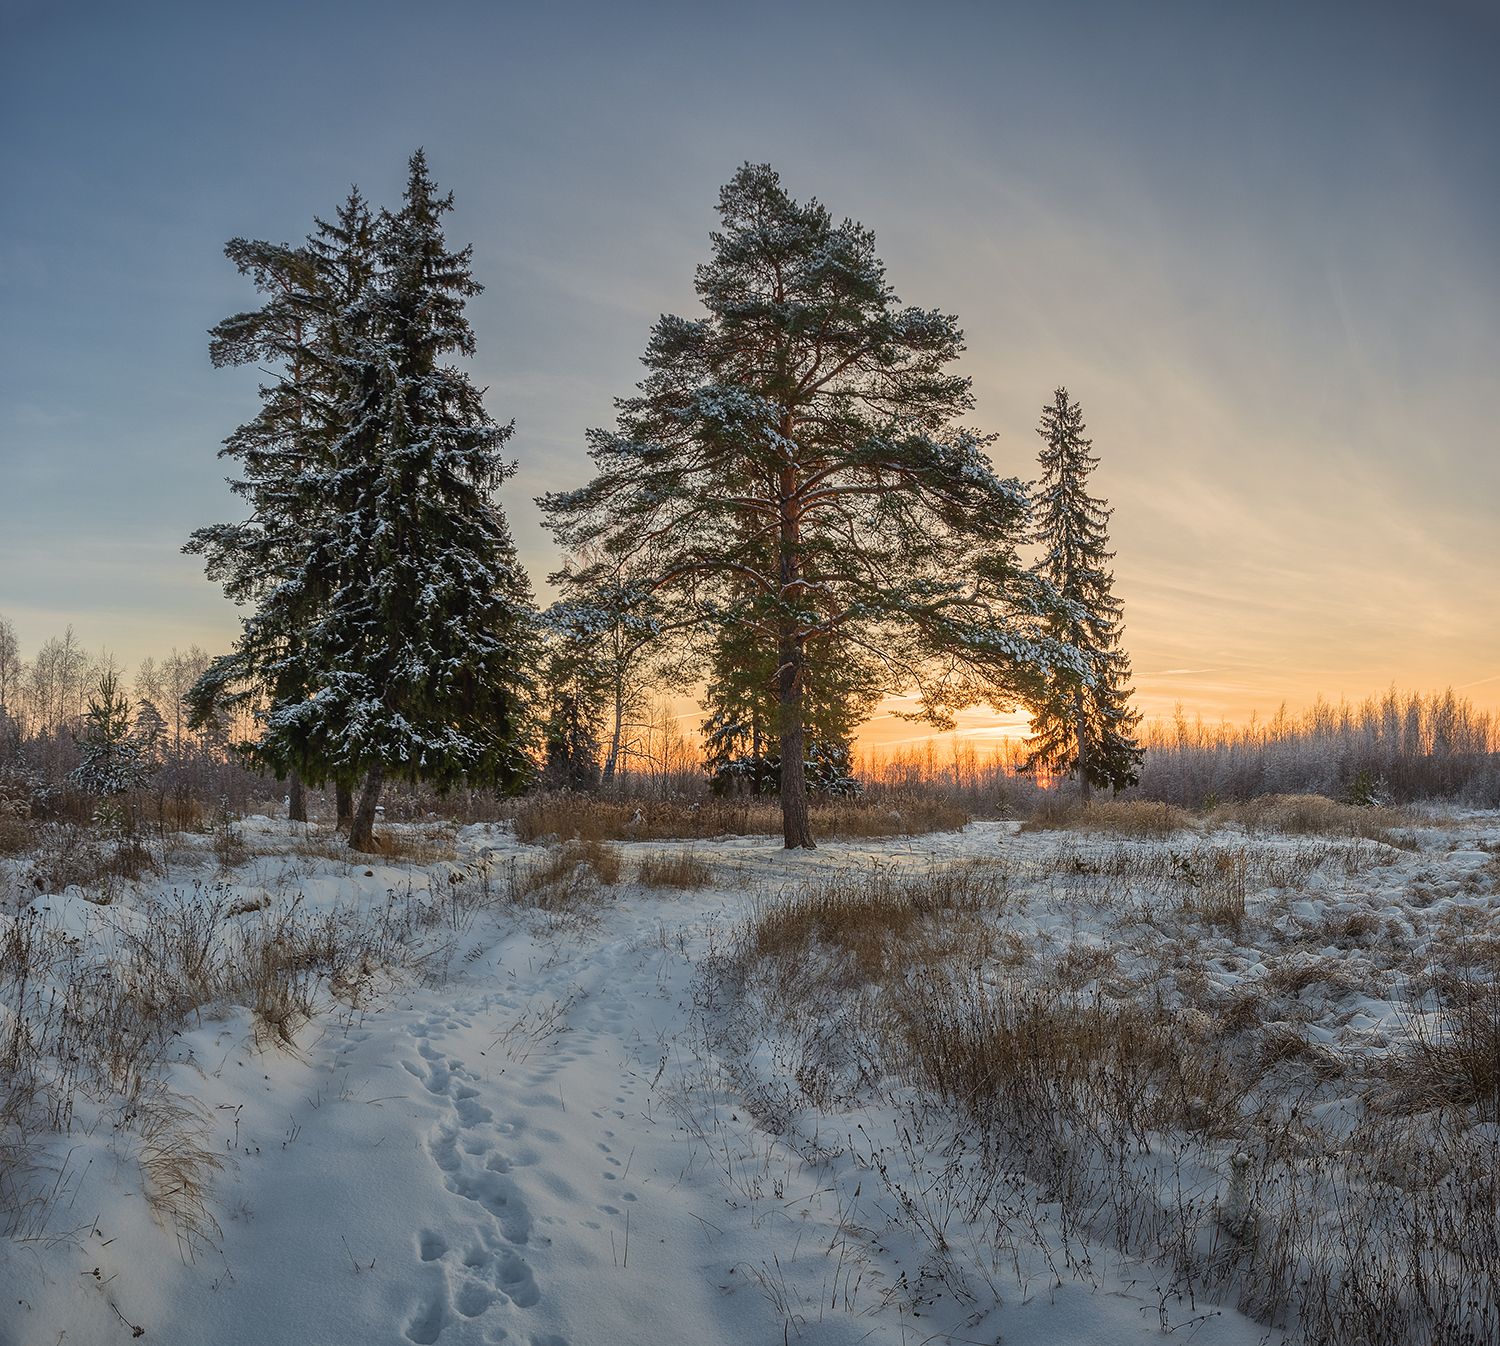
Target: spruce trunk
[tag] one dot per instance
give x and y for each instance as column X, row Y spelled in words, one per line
column 296, row 807
column 796, row 826
column 1081, row 736
column 362, row 826
column 343, row 806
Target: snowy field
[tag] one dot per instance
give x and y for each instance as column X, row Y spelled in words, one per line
column 979, row 1086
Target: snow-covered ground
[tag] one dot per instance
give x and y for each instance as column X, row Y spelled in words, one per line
column 586, row 1124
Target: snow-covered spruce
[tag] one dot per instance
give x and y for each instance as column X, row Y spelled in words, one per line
column 1083, row 726
column 394, row 625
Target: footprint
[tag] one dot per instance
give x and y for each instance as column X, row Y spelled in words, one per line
column 473, row 1299
column 431, row 1245
column 517, row 1282
column 471, row 1113
column 427, row 1326
column 444, row 1150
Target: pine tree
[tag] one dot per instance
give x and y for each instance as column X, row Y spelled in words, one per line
column 791, row 467
column 395, row 642
column 1083, row 726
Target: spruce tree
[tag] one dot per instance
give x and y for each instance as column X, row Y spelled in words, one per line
column 792, row 466
column 573, row 683
column 396, row 642
column 149, row 732
column 285, row 559
column 112, row 763
column 1081, row 725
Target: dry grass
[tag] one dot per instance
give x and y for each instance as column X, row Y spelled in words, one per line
column 681, row 869
column 15, row 835
column 568, row 873
column 177, row 810
column 585, row 818
column 408, row 846
column 879, row 923
column 1301, row 971
column 1290, row 815
column 1315, row 815
column 91, row 1018
column 1219, row 891
column 1453, row 1059
column 1113, row 1106
column 893, row 816
column 177, row 1171
column 65, row 855
column 1034, row 1051
column 1085, row 963
column 1115, row 817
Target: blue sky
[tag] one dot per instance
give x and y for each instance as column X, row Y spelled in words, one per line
column 1257, row 242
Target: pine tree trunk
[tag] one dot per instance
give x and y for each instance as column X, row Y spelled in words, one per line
column 343, row 804
column 296, row 808
column 608, row 774
column 1081, row 738
column 362, row 826
column 796, row 826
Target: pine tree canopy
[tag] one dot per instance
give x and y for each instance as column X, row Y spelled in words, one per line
column 393, row 625
column 1081, row 726
column 792, row 466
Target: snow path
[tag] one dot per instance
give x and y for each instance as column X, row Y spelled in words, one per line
column 479, row 1161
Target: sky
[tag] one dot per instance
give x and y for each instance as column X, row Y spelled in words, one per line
column 1256, row 242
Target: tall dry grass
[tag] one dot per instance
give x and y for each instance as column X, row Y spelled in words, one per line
column 678, row 869
column 1317, row 815
column 570, row 872
column 595, row 818
column 1120, row 818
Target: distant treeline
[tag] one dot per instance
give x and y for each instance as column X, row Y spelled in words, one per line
column 1396, row 748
